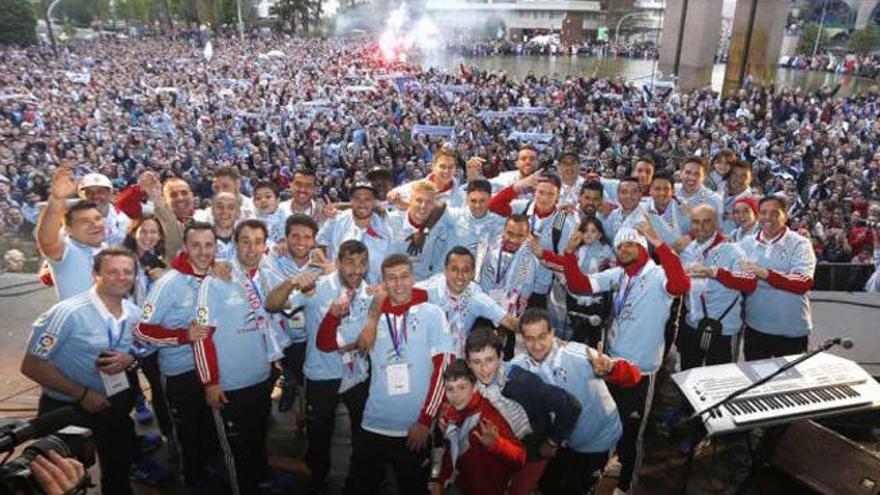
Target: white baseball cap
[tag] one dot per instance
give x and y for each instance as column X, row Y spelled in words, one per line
column 95, row 180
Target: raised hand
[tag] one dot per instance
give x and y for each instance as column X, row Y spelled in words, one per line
column 474, row 167
column 574, row 242
column 487, row 433
column 150, row 184
column 527, row 183
column 646, row 229
column 63, row 185
column 602, row 363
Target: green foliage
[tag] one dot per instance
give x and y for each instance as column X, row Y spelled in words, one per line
column 865, row 40
column 17, row 23
column 82, row 12
column 135, row 10
column 807, row 39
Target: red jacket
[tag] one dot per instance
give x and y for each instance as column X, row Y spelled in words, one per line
column 483, row 470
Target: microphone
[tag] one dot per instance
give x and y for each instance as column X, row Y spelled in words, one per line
column 40, row 426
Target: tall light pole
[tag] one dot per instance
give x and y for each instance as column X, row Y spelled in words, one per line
column 48, row 19
column 821, row 26
column 240, row 24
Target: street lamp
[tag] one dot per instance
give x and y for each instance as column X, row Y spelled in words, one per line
column 49, row 25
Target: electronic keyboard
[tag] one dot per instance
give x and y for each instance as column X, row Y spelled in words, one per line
column 824, row 385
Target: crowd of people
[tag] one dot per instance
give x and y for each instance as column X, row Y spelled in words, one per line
column 253, row 212
column 853, row 64
column 602, row 49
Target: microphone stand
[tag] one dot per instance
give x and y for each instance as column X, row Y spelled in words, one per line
column 736, row 393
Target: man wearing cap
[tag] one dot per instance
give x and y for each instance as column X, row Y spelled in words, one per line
column 361, row 223
column 98, row 189
column 642, row 294
column 383, row 180
column 745, row 214
column 69, row 250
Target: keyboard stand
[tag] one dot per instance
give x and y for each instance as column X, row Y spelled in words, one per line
column 755, row 454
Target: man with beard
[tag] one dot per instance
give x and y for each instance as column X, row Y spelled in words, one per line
column 226, row 180
column 526, row 164
column 361, row 223
column 299, row 241
column 330, row 376
column 550, row 226
column 642, row 294
column 507, row 274
column 302, row 196
column 165, row 323
column 692, row 192
column 590, row 200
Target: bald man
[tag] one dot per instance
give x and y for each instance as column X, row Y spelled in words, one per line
column 710, row 333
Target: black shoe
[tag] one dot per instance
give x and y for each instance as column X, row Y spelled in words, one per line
column 288, row 396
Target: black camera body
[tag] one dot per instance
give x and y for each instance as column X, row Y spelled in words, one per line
column 72, row 441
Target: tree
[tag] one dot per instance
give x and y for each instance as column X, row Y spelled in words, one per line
column 864, row 40
column 293, row 13
column 807, row 40
column 17, row 24
column 82, row 12
column 135, row 10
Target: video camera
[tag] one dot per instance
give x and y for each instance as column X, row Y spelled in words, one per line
column 52, row 433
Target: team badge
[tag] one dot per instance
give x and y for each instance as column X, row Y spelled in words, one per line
column 148, row 311
column 202, row 315
column 45, row 345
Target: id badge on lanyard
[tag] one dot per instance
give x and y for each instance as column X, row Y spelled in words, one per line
column 116, row 383
column 397, row 374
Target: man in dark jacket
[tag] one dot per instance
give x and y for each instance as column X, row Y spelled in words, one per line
column 551, row 411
